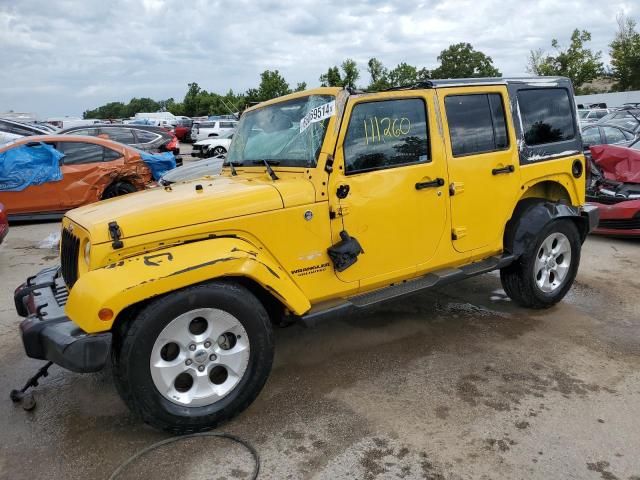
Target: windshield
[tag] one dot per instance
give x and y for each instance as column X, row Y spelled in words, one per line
column 583, row 113
column 278, row 133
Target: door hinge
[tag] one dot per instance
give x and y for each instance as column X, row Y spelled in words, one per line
column 341, row 211
column 458, row 233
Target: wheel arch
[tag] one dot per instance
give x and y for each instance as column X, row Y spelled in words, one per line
column 125, row 286
column 551, row 190
column 531, row 214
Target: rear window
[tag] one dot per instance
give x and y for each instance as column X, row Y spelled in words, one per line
column 547, row 115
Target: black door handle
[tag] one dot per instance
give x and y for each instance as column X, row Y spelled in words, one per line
column 507, row 169
column 438, row 182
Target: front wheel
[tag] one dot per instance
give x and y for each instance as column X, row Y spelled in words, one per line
column 217, row 151
column 194, row 358
column 543, row 275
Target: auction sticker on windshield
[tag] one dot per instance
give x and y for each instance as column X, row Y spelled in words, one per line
column 318, row 114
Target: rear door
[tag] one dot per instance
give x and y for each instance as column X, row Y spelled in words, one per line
column 482, row 162
column 85, row 166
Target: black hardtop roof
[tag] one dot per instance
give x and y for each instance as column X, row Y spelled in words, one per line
column 537, row 81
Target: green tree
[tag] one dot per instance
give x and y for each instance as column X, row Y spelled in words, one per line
column 379, row 75
column 350, row 73
column 272, row 85
column 403, row 74
column 332, row 78
column 577, row 62
column 625, row 55
column 462, row 61
column 190, row 103
column 301, row 86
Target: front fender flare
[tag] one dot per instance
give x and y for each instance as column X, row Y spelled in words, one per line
column 145, row 276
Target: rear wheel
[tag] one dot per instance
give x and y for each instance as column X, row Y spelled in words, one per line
column 117, row 189
column 544, row 274
column 195, row 357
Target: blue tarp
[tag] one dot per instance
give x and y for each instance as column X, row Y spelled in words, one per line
column 26, row 165
column 159, row 163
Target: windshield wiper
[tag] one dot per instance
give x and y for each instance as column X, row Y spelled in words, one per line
column 232, row 165
column 268, row 163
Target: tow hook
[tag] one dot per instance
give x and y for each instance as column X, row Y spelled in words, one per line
column 26, row 398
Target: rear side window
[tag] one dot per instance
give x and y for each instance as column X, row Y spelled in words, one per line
column 476, row 123
column 92, row 132
column 110, row 155
column 227, row 125
column 591, row 136
column 78, row 152
column 120, row 135
column 386, row 134
column 547, row 115
column 146, row 137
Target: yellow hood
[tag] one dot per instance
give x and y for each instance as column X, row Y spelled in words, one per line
column 161, row 209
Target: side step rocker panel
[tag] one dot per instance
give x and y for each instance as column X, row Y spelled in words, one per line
column 434, row 279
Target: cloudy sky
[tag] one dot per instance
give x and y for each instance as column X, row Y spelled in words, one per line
column 61, row 57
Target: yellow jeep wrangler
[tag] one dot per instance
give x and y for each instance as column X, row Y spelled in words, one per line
column 329, row 199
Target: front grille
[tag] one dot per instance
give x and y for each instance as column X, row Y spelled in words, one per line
column 622, row 224
column 69, row 251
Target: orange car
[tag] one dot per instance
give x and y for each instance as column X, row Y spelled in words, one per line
column 93, row 168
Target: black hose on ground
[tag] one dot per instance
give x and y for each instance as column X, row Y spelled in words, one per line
column 228, row 436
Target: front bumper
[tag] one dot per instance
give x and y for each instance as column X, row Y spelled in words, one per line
column 48, row 334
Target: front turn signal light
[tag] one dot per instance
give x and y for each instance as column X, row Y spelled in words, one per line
column 105, row 314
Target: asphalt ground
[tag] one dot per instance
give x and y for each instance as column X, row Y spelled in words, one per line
column 453, row 383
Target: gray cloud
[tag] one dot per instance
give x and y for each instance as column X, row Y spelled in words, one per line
column 62, row 57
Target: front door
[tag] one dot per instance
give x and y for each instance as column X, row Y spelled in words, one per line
column 388, row 185
column 483, row 164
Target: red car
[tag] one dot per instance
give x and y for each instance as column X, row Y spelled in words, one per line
column 615, row 188
column 4, row 223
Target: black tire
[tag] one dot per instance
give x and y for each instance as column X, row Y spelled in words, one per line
column 117, row 189
column 135, row 339
column 518, row 279
column 217, row 151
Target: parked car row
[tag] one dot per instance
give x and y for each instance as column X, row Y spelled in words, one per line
column 89, row 168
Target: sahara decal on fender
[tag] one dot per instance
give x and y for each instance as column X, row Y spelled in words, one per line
column 300, row 272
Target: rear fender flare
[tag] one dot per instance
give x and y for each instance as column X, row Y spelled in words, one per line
column 138, row 278
column 529, row 218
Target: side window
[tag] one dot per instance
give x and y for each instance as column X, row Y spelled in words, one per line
column 227, row 125
column 78, row 152
column 92, row 132
column 600, row 113
column 121, row 135
column 591, row 136
column 144, row 136
column 386, row 134
column 476, row 123
column 110, row 155
column 547, row 115
column 613, row 135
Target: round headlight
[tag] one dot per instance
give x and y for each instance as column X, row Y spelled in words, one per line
column 87, row 252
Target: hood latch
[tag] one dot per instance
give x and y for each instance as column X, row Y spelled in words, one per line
column 115, row 233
